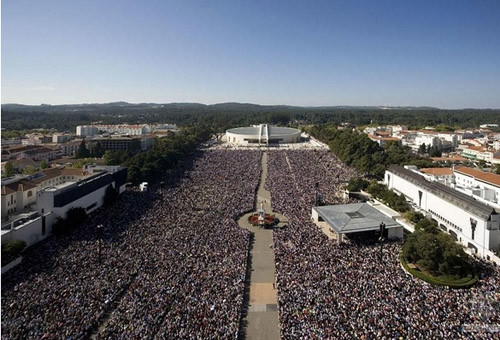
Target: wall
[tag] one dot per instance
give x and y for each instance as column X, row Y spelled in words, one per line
column 84, row 202
column 31, row 232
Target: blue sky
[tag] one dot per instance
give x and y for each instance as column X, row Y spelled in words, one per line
column 309, row 53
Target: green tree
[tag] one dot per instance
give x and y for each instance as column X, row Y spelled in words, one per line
column 96, row 150
column 11, row 250
column 8, row 169
column 82, row 151
column 422, row 149
column 357, row 184
column 434, row 152
column 44, row 164
column 60, row 226
column 30, row 169
column 110, row 195
column 114, row 157
column 76, row 216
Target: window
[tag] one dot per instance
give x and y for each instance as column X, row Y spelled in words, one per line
column 30, row 193
column 473, row 224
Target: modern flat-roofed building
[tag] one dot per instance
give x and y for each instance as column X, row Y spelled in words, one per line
column 87, row 193
column 120, row 144
column 352, row 218
column 473, row 223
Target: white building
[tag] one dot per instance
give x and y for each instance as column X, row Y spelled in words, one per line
column 471, row 222
column 477, row 153
column 441, row 175
column 483, row 186
column 262, row 134
column 88, row 193
column 428, row 140
column 55, row 201
column 86, row 130
column 61, row 138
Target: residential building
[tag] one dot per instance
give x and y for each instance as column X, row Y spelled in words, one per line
column 17, row 195
column 128, row 144
column 483, row 186
column 441, row 175
column 86, row 130
column 61, row 137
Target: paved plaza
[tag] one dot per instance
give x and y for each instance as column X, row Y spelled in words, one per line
column 262, row 321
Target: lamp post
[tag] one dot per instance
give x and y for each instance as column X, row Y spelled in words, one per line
column 100, row 229
column 381, row 238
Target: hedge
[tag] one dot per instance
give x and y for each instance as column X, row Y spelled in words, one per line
column 11, row 250
column 464, row 282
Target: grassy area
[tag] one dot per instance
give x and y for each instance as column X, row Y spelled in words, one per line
column 443, row 280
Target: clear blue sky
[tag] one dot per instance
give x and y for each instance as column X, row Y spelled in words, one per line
column 436, row 53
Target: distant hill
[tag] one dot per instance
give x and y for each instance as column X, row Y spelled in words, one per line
column 223, row 115
column 223, row 106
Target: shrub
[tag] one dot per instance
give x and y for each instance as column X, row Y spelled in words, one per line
column 110, row 195
column 74, row 217
column 60, row 226
column 357, row 184
column 434, row 251
column 413, row 216
column 11, row 250
column 465, row 282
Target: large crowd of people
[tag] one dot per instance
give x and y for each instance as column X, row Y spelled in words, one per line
column 173, row 262
column 330, row 291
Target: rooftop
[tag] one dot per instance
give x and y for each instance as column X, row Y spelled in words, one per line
column 353, row 218
column 453, row 196
column 273, row 130
column 437, row 171
column 479, row 175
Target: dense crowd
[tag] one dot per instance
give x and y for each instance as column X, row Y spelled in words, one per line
column 173, row 262
column 330, row 291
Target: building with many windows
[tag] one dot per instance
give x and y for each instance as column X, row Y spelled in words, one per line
column 471, row 222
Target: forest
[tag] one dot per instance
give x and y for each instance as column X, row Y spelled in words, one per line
column 219, row 117
column 357, row 150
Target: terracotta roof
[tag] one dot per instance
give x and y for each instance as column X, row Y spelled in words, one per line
column 41, row 150
column 437, row 171
column 47, row 174
column 24, row 161
column 20, row 185
column 477, row 148
column 373, row 137
column 382, row 133
column 451, row 158
column 73, row 172
column 480, row 175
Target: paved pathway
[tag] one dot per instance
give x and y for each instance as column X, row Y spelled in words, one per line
column 262, row 318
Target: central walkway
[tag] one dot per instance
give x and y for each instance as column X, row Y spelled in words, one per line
column 262, row 318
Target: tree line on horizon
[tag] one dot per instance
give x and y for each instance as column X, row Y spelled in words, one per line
column 220, row 117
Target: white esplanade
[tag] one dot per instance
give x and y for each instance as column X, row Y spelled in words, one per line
column 262, row 134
